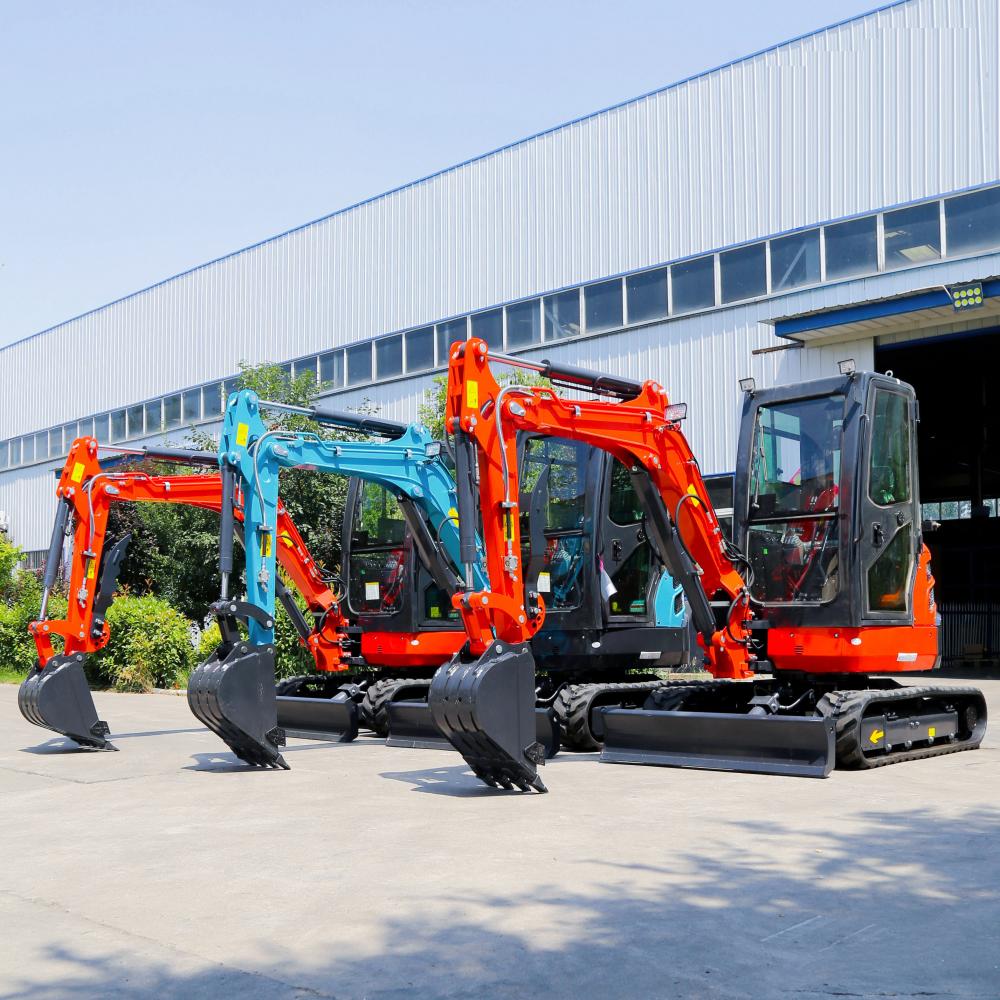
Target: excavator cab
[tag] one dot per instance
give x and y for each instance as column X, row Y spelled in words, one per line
column 828, row 513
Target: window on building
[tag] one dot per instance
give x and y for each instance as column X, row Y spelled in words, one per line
column 359, row 364
column 420, row 349
column 447, row 334
column 70, row 433
column 488, row 326
column 562, row 314
column 27, row 449
column 331, row 368
column 524, row 324
column 286, row 370
column 305, row 366
column 56, row 443
column 154, row 417
column 134, row 421
column 972, row 221
column 603, row 306
column 15, row 452
column 191, row 406
column 743, row 272
column 230, row 387
column 693, row 284
column 41, row 445
column 101, row 428
column 851, row 248
column 646, row 294
column 4, row 454
column 912, row 235
column 211, row 399
column 389, row 356
column 795, row 260
column 172, row 411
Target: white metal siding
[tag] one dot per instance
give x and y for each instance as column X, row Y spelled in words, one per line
column 891, row 107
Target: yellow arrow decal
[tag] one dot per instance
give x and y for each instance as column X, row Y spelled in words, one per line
column 876, row 735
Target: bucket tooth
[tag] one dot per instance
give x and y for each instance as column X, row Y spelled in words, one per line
column 57, row 697
column 486, row 710
column 232, row 693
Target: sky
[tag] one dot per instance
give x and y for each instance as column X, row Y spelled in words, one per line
column 138, row 140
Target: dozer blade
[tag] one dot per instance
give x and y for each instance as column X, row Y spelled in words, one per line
column 486, row 710
column 58, row 698
column 760, row 744
column 411, row 726
column 232, row 693
column 312, row 718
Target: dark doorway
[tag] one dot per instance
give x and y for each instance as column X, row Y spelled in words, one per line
column 958, row 387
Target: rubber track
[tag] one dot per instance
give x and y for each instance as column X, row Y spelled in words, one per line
column 575, row 702
column 847, row 708
column 375, row 706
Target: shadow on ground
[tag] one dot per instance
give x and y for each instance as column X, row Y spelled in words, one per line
column 905, row 905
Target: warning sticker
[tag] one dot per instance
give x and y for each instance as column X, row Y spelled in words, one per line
column 472, row 395
column 287, row 539
column 372, row 591
column 265, row 544
column 91, row 569
column 544, row 583
column 242, row 434
column 77, row 474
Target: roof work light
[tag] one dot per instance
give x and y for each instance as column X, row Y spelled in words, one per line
column 969, row 296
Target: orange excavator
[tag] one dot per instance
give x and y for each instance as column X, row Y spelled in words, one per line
column 55, row 695
column 805, row 615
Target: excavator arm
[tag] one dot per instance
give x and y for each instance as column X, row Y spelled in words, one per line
column 643, row 431
column 409, row 464
column 87, row 487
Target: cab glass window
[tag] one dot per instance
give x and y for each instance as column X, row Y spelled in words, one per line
column 377, row 571
column 889, row 575
column 796, row 458
column 624, row 507
column 889, row 466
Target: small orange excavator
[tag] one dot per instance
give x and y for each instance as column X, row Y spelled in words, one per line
column 55, row 695
column 804, row 616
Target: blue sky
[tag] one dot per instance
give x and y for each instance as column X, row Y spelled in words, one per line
column 139, row 140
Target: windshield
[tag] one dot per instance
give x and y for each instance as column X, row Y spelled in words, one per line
column 795, row 468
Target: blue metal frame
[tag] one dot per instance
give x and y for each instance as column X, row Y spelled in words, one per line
column 410, row 465
column 873, row 310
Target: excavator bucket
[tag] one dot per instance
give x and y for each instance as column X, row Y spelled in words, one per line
column 232, row 693
column 57, row 697
column 803, row 746
column 310, row 708
column 486, row 710
column 411, row 726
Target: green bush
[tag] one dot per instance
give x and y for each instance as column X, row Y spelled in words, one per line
column 19, row 606
column 207, row 643
column 150, row 646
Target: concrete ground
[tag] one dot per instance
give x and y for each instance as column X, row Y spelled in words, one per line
column 168, row 871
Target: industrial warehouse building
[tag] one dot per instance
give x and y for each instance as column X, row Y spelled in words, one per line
column 836, row 196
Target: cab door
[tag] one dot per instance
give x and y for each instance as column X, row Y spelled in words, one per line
column 626, row 556
column 887, row 532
